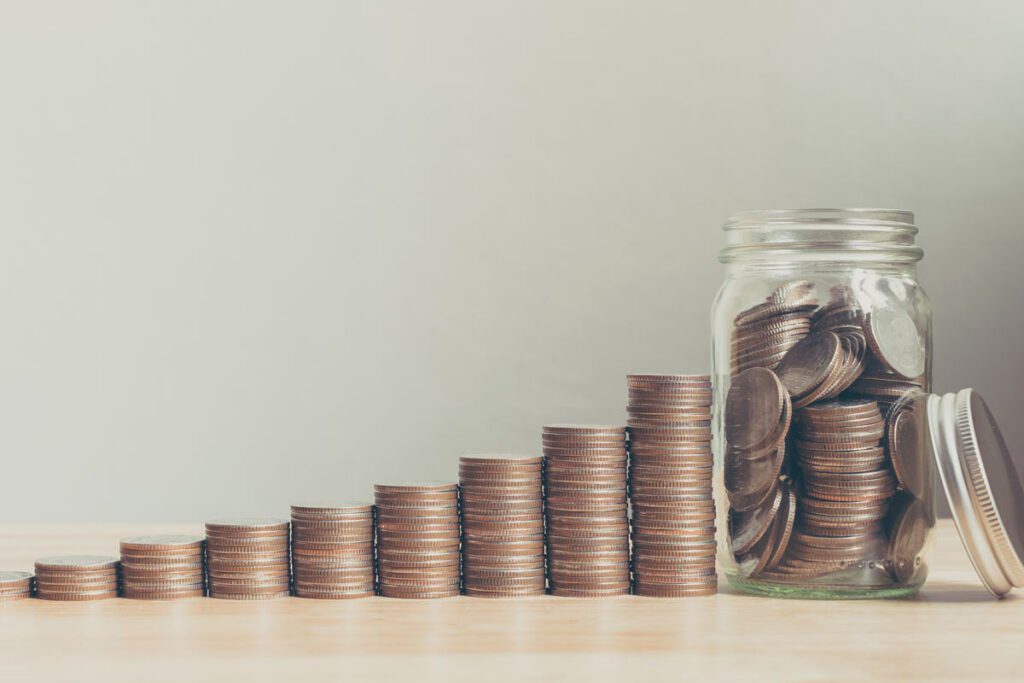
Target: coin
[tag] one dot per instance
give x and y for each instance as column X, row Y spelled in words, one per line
column 754, row 409
column 809, row 363
column 895, row 340
column 747, row 528
column 751, row 481
column 908, row 531
column 905, row 443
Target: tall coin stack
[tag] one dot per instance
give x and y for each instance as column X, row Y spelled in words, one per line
column 585, row 505
column 247, row 558
column 332, row 550
column 502, row 525
column 77, row 577
column 163, row 567
column 847, row 487
column 15, row 586
column 673, row 508
column 418, row 540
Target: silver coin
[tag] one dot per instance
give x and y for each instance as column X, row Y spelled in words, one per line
column 896, row 341
column 14, row 577
column 77, row 561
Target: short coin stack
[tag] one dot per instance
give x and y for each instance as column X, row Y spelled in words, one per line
column 502, row 525
column 247, row 558
column 77, row 577
column 163, row 567
column 418, row 540
column 672, row 504
column 15, row 586
column 764, row 333
column 585, row 505
column 847, row 487
column 332, row 550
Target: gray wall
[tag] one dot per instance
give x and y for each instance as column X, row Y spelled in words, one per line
column 255, row 252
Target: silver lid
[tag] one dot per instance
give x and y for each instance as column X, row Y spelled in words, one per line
column 982, row 485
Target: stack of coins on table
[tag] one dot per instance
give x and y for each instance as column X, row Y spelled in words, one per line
column 163, row 567
column 585, row 505
column 418, row 540
column 502, row 525
column 247, row 558
column 15, row 586
column 332, row 550
column 77, row 577
column 673, row 507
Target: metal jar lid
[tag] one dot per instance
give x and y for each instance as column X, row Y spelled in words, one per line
column 982, row 486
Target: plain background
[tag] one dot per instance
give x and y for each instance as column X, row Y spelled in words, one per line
column 252, row 253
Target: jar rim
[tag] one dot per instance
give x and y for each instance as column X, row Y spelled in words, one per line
column 771, row 237
column 858, row 218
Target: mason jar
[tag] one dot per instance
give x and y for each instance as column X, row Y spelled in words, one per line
column 822, row 366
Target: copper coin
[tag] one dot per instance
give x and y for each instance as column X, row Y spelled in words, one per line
column 754, row 408
column 747, row 528
column 809, row 363
column 905, row 442
column 750, row 481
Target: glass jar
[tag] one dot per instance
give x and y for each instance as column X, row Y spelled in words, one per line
column 821, row 356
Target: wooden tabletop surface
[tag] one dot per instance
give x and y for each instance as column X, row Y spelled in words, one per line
column 953, row 630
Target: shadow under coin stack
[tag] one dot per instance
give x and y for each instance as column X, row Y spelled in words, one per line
column 673, row 507
column 847, row 486
column 418, row 540
column 247, row 558
column 585, row 504
column 77, row 577
column 502, row 525
column 15, row 586
column 332, row 551
column 163, row 567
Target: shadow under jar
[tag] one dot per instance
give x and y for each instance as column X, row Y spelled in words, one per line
column 821, row 341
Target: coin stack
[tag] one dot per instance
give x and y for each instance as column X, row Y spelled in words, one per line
column 847, row 487
column 163, row 567
column 585, row 505
column 757, row 416
column 15, row 586
column 502, row 525
column 765, row 332
column 673, row 510
column 884, row 387
column 332, row 550
column 418, row 540
column 247, row 558
column 77, row 577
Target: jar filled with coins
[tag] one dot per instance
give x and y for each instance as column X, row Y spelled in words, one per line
column 822, row 354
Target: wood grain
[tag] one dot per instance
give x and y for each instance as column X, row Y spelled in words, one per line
column 952, row 631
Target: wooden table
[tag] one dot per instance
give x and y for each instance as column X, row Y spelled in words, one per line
column 952, row 630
